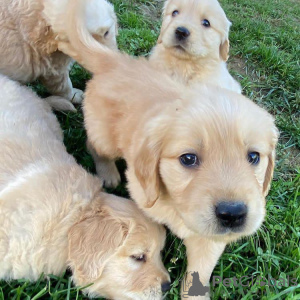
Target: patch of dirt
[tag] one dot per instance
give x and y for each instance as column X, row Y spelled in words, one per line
column 237, row 64
column 152, row 10
column 291, row 155
column 255, row 78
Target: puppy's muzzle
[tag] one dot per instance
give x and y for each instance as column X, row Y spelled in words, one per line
column 231, row 214
column 182, row 33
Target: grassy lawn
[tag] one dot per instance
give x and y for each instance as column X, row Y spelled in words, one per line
column 265, row 53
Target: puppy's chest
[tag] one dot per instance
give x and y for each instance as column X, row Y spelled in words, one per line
column 186, row 75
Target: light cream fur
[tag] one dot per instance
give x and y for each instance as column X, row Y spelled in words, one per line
column 134, row 111
column 29, row 34
column 53, row 214
column 201, row 58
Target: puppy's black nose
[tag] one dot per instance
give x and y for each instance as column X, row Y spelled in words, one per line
column 165, row 286
column 231, row 214
column 181, row 33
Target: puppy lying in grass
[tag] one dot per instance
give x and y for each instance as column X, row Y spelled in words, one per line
column 53, row 214
column 29, row 34
column 199, row 160
column 193, row 44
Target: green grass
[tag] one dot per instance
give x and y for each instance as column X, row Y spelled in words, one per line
column 265, row 50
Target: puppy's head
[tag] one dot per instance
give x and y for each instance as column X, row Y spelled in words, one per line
column 192, row 29
column 210, row 162
column 117, row 249
column 96, row 17
column 101, row 22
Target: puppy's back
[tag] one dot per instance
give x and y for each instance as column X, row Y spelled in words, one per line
column 29, row 130
column 41, row 186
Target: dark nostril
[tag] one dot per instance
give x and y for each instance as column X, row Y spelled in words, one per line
column 182, row 33
column 231, row 214
column 166, row 286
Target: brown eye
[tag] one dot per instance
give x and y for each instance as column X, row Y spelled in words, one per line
column 106, row 34
column 205, row 23
column 139, row 258
column 175, row 13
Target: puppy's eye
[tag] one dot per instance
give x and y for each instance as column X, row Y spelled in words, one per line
column 253, row 158
column 106, row 33
column 175, row 13
column 189, row 160
column 140, row 258
column 205, row 23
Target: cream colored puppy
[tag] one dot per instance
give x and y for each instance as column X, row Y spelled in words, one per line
column 53, row 214
column 29, row 34
column 193, row 44
column 199, row 160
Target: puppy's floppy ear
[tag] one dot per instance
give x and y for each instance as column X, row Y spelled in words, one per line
column 269, row 174
column 271, row 164
column 159, row 40
column 92, row 242
column 146, row 168
column 164, row 9
column 224, row 49
column 224, row 46
column 117, row 28
column 116, row 23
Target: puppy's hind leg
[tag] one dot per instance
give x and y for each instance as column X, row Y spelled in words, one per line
column 58, row 82
column 106, row 169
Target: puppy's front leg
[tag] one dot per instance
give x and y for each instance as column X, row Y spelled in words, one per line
column 202, row 256
column 61, row 85
column 105, row 168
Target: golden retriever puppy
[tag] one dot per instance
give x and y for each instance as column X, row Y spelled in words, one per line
column 29, row 33
column 53, row 214
column 193, row 44
column 199, row 160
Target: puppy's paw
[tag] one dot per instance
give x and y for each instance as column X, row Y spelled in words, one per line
column 60, row 104
column 77, row 96
column 109, row 173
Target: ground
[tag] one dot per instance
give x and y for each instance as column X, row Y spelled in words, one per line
column 264, row 57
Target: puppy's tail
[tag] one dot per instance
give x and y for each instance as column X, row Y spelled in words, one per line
column 89, row 52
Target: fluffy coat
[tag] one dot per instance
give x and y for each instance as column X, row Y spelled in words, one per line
column 29, row 34
column 53, row 214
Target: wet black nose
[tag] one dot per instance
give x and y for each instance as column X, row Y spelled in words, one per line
column 166, row 286
column 231, row 214
column 181, row 33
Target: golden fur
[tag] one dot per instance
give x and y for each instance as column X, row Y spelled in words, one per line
column 202, row 56
column 134, row 111
column 53, row 214
column 29, row 33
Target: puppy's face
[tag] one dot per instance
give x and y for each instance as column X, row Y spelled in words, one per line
column 118, row 250
column 193, row 29
column 213, row 161
column 101, row 22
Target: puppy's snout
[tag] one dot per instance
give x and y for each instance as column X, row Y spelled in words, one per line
column 231, row 214
column 166, row 286
column 182, row 33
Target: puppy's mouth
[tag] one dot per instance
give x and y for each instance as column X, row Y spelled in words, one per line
column 228, row 231
column 179, row 48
